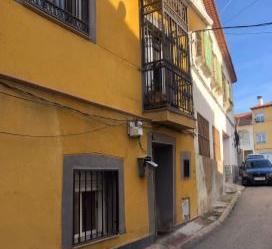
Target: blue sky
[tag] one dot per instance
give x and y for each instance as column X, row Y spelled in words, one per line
column 251, row 53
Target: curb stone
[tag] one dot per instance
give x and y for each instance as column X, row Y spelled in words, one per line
column 200, row 235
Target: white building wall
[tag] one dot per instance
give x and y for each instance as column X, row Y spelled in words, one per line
column 210, row 175
column 249, row 129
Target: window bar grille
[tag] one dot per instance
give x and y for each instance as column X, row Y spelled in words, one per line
column 79, row 206
column 96, row 202
column 166, row 56
column 117, row 203
column 85, row 206
column 95, row 208
column 74, row 183
column 91, row 175
column 65, row 14
column 102, row 230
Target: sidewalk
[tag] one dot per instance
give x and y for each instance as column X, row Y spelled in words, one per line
column 195, row 230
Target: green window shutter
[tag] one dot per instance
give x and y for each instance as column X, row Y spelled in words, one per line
column 227, row 90
column 219, row 74
column 230, row 92
column 199, row 44
column 208, row 50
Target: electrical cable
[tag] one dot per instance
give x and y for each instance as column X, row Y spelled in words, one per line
column 226, row 6
column 58, row 135
column 41, row 100
column 141, row 146
column 265, row 24
column 241, row 11
column 250, row 33
column 52, row 103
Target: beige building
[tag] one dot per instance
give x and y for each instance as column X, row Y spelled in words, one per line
column 245, row 131
column 255, row 130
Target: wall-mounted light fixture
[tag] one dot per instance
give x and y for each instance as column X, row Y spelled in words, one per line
column 143, row 162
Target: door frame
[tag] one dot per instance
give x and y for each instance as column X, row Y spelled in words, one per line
column 159, row 138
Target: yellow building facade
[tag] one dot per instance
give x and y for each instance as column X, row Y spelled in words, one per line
column 262, row 130
column 72, row 84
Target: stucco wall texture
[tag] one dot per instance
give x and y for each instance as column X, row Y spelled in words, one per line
column 104, row 79
column 32, row 168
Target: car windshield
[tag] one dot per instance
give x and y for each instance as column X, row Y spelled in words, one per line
column 256, row 157
column 258, row 164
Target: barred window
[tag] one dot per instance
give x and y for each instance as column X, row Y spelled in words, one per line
column 203, row 136
column 95, row 205
column 186, row 167
column 74, row 13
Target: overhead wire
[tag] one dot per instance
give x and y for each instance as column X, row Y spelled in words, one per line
column 226, row 6
column 42, row 100
column 265, row 24
column 250, row 33
column 57, row 135
column 241, row 11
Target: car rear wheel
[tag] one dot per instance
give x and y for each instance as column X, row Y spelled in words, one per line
column 244, row 182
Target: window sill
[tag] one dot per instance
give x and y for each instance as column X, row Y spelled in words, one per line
column 58, row 22
column 88, row 243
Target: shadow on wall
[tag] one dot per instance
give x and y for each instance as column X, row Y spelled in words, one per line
column 119, row 32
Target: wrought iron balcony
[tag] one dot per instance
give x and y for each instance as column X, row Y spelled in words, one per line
column 74, row 16
column 166, row 62
column 166, row 86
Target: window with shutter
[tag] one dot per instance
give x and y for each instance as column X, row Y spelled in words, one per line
column 230, row 93
column 208, row 50
column 199, row 44
column 216, row 144
column 203, row 136
column 219, row 75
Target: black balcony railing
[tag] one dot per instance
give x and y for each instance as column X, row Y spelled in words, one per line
column 166, row 61
column 64, row 14
column 165, row 86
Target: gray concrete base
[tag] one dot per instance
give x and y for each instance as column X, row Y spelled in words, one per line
column 201, row 234
column 192, row 233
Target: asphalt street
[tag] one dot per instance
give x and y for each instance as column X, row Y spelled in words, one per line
column 249, row 226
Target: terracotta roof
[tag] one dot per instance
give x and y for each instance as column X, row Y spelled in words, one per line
column 243, row 115
column 220, row 36
column 261, row 106
column 243, row 118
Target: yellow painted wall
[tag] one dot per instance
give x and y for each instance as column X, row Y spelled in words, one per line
column 31, row 172
column 266, row 127
column 31, row 168
column 37, row 50
column 194, row 21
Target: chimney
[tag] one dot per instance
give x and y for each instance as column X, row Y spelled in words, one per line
column 260, row 100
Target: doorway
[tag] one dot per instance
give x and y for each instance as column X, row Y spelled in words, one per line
column 163, row 187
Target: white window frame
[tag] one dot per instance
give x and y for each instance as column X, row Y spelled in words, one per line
column 259, row 117
column 261, row 138
column 99, row 221
column 244, row 137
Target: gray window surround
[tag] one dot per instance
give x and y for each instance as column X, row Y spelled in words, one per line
column 185, row 155
column 92, row 20
column 90, row 162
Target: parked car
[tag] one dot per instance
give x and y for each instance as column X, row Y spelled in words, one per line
column 255, row 156
column 257, row 171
